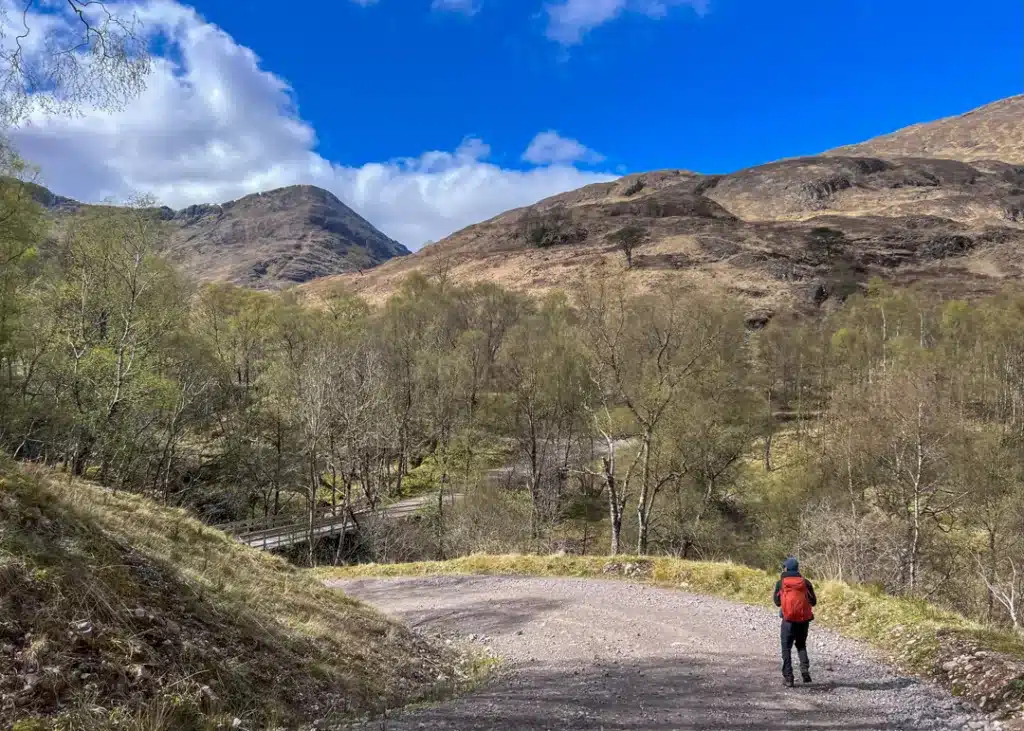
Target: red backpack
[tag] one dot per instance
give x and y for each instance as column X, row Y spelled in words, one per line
column 796, row 602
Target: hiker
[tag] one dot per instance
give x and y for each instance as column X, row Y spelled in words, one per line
column 794, row 595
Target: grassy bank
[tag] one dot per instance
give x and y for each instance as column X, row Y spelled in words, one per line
column 118, row 613
column 918, row 636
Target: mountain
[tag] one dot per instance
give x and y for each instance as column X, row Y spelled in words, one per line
column 991, row 132
column 800, row 233
column 266, row 240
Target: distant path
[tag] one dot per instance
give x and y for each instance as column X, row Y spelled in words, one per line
column 612, row 656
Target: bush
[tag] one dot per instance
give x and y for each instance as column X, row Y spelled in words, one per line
column 554, row 227
column 633, row 188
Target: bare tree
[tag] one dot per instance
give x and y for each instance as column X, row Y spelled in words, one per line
column 60, row 57
column 644, row 350
column 1006, row 587
column 546, row 381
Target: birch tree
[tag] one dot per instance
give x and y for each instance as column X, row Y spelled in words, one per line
column 643, row 350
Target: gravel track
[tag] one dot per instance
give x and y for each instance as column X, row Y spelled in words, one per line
column 609, row 655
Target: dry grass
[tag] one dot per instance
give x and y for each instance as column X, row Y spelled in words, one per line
column 539, row 272
column 991, row 132
column 118, row 613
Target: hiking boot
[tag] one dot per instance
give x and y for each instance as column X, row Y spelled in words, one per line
column 788, row 682
column 806, row 675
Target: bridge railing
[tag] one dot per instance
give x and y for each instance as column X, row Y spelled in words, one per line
column 298, row 532
column 249, row 525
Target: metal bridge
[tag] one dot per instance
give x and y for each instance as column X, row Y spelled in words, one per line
column 283, row 531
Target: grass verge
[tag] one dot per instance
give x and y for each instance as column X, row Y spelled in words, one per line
column 118, row 613
column 983, row 664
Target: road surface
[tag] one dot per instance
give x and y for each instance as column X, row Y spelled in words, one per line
column 611, row 656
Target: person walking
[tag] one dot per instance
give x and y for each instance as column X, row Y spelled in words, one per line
column 794, row 596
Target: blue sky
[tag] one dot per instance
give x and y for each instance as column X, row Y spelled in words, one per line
column 746, row 82
column 387, row 92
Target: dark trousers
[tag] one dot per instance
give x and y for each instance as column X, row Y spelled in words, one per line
column 794, row 633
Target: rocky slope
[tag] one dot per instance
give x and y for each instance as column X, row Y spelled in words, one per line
column 266, row 240
column 803, row 232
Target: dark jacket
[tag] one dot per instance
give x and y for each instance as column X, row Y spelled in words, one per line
column 777, row 596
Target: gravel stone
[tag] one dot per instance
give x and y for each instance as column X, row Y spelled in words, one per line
column 609, row 655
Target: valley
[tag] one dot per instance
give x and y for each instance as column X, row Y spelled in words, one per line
column 568, row 447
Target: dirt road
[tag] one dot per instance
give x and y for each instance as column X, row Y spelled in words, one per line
column 611, row 656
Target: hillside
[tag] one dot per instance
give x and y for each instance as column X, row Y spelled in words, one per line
column 118, row 613
column 795, row 233
column 991, row 132
column 266, row 240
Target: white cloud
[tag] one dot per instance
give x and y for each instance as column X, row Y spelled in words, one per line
column 570, row 20
column 549, row 148
column 213, row 126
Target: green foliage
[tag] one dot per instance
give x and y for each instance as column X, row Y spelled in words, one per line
column 627, row 239
column 424, row 478
column 882, row 441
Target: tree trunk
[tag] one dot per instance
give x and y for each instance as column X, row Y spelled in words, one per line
column 313, row 485
column 643, row 509
column 345, row 510
column 614, row 506
column 440, row 523
column 990, row 602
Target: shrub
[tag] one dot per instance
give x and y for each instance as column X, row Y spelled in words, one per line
column 554, row 227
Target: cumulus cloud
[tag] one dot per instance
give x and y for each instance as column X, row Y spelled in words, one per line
column 570, row 20
column 550, row 148
column 213, row 126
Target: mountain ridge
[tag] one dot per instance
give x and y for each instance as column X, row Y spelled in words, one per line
column 800, row 233
column 265, row 240
column 988, row 132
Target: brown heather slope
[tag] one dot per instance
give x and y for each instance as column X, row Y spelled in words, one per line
column 991, row 132
column 265, row 240
column 799, row 233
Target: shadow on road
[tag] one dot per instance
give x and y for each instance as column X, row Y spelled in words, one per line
column 613, row 658
column 468, row 616
column 659, row 695
column 891, row 684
